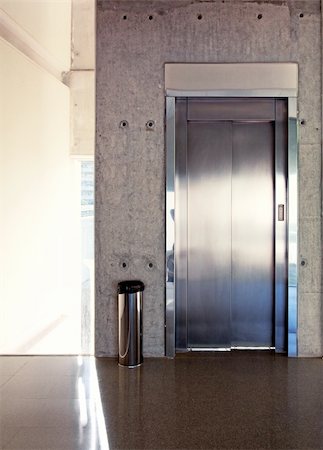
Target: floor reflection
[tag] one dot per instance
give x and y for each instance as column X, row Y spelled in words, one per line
column 234, row 400
column 91, row 418
column 51, row 402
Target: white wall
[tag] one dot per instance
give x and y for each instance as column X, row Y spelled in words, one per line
column 45, row 127
column 40, row 219
column 39, row 189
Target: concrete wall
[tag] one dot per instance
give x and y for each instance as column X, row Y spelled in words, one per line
column 134, row 40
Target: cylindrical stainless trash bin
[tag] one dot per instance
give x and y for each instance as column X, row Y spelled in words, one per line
column 130, row 322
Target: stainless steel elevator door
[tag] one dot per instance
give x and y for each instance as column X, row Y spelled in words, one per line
column 230, row 233
column 230, row 242
column 252, row 270
column 209, row 163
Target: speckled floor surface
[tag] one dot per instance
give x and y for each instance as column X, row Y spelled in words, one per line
column 238, row 400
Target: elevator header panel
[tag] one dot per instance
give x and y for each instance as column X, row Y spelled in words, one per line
column 240, row 79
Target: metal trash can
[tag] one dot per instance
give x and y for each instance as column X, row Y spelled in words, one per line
column 130, row 322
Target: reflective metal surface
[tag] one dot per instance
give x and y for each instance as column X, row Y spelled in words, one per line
column 282, row 228
column 209, row 165
column 170, row 228
column 292, row 225
column 181, row 224
column 130, row 329
column 226, row 261
column 281, row 213
column 252, row 239
column 232, row 109
column 281, row 294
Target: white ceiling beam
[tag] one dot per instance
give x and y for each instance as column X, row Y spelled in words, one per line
column 15, row 35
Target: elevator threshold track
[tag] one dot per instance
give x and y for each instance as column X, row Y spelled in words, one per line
column 228, row 349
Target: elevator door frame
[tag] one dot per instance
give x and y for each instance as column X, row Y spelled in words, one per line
column 172, row 181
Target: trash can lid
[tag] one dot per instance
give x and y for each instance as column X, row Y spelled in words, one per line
column 130, row 286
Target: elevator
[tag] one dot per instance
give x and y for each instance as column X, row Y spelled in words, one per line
column 231, row 208
column 227, row 151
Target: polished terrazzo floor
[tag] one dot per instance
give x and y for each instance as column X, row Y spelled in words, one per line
column 236, row 400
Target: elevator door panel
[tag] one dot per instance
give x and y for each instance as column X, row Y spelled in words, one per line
column 252, row 275
column 230, row 234
column 230, row 244
column 209, row 165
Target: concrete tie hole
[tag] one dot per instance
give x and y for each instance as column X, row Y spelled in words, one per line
column 259, row 17
column 301, row 15
column 150, row 124
column 123, row 124
column 150, row 17
column 150, row 266
column 124, row 17
column 199, row 17
column 123, row 265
